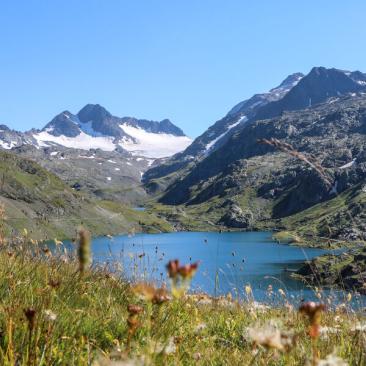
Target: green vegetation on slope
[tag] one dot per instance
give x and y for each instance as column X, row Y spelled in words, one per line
column 40, row 202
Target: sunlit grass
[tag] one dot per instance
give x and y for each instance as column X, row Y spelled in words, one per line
column 51, row 313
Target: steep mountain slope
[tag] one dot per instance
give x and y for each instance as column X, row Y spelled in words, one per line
column 217, row 134
column 251, row 185
column 99, row 174
column 295, row 92
column 319, row 85
column 37, row 200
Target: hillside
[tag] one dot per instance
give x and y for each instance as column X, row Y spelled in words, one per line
column 38, row 201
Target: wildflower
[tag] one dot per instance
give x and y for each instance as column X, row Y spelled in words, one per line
column 132, row 320
column 134, row 309
column 249, row 292
column 30, row 314
column 54, row 283
column 289, row 307
column 204, row 301
column 313, row 311
column 200, row 327
column 324, row 332
column 144, row 291
column 270, row 290
column 50, row 315
column 359, row 327
column 197, row 356
column 248, row 289
column 269, row 336
column 57, row 242
column 349, row 297
column 173, row 268
column 148, row 292
column 332, row 360
column 47, row 251
column 181, row 276
column 160, row 296
column 188, row 270
column 281, row 292
column 169, row 348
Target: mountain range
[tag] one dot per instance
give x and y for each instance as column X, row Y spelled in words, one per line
column 93, row 127
column 275, row 157
column 97, row 153
column 283, row 159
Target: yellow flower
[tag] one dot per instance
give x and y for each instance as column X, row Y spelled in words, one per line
column 248, row 290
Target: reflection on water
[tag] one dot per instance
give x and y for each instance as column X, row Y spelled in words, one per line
column 228, row 261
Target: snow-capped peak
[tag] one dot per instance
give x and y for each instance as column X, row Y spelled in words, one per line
column 95, row 128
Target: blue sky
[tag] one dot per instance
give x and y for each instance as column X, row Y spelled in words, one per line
column 189, row 61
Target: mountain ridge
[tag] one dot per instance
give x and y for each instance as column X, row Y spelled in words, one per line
column 94, row 127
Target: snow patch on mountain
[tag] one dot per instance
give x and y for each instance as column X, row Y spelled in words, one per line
column 88, row 129
column 152, row 145
column 212, row 143
column 83, row 141
column 8, row 145
column 348, row 165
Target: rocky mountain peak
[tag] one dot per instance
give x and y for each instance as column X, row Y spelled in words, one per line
column 93, row 112
column 314, row 88
column 64, row 123
column 289, row 82
column 164, row 126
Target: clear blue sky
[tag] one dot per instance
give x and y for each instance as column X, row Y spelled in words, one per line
column 189, row 61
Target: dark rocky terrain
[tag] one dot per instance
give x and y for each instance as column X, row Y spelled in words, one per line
column 347, row 271
column 271, row 172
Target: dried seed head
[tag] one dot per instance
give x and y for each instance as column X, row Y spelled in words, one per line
column 54, row 283
column 50, row 315
column 160, row 296
column 30, row 314
column 144, row 291
column 188, row 270
column 173, row 267
column 312, row 310
column 84, row 250
column 134, row 309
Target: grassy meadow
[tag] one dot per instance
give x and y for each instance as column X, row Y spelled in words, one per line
column 56, row 309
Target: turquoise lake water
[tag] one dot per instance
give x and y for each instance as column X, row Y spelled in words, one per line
column 228, row 261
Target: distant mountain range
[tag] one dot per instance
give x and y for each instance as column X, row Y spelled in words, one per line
column 97, row 153
column 95, row 128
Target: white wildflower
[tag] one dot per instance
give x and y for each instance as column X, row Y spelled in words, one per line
column 200, row 327
column 359, row 327
column 268, row 336
column 332, row 360
column 50, row 315
column 167, row 348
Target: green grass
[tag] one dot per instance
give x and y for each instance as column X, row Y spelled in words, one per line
column 39, row 201
column 91, row 324
column 286, row 237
